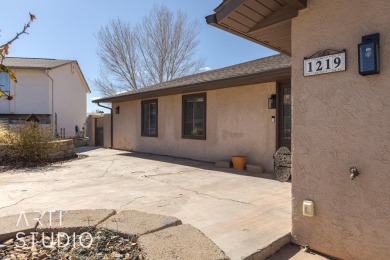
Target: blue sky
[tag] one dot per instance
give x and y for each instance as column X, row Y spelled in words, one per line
column 66, row 29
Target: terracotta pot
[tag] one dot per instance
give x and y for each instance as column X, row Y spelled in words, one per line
column 239, row 162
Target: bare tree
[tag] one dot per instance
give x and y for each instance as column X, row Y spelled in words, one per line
column 4, row 50
column 161, row 47
column 119, row 58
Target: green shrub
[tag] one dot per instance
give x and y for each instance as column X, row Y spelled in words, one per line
column 29, row 145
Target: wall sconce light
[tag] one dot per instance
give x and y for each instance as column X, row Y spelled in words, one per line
column 369, row 55
column 272, row 102
column 117, row 110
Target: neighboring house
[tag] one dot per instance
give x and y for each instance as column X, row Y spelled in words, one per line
column 340, row 119
column 208, row 116
column 54, row 90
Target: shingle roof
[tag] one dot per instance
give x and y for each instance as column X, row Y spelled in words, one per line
column 38, row 63
column 271, row 63
column 35, row 63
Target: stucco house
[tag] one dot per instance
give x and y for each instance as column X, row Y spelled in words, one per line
column 340, row 117
column 209, row 116
column 54, row 90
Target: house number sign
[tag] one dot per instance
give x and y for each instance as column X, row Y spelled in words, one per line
column 324, row 64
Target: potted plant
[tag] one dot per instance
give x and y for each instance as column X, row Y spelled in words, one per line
column 239, row 161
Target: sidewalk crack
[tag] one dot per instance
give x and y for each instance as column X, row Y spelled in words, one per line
column 22, row 200
column 128, row 203
column 199, row 193
column 108, row 168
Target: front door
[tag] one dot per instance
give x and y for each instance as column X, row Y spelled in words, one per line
column 284, row 115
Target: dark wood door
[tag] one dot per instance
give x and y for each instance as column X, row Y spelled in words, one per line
column 284, row 115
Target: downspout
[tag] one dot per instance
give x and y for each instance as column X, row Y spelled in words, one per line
column 112, row 125
column 52, row 101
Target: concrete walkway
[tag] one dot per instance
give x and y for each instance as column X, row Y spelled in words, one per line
column 241, row 214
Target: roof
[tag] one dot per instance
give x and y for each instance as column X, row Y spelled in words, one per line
column 266, row 22
column 43, row 64
column 261, row 70
column 221, row 5
column 14, row 62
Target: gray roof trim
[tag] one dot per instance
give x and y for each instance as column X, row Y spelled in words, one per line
column 34, row 63
column 262, row 77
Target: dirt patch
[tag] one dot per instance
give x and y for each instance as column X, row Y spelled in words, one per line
column 5, row 168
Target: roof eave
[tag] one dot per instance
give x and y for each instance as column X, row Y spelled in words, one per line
column 70, row 61
column 40, row 68
column 256, row 78
column 82, row 77
column 239, row 18
column 212, row 20
column 29, row 68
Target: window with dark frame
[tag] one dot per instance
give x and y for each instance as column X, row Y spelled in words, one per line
column 194, row 116
column 149, row 117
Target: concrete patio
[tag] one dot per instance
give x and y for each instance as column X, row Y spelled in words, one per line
column 240, row 213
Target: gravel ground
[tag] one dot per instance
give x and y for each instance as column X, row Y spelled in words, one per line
column 96, row 244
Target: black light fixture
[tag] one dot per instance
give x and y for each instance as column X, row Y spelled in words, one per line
column 272, row 102
column 369, row 55
column 117, row 110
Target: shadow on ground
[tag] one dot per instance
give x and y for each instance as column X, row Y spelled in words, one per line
column 83, row 149
column 197, row 164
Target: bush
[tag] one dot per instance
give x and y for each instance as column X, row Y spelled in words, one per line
column 3, row 133
column 29, row 145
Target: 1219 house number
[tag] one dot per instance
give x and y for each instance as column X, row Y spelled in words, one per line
column 324, row 64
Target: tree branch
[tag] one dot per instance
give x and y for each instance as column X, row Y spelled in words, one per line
column 4, row 47
column 161, row 47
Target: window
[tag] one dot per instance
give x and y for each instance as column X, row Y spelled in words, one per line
column 149, row 110
column 4, row 81
column 194, row 116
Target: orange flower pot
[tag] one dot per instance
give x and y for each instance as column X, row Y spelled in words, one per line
column 239, row 162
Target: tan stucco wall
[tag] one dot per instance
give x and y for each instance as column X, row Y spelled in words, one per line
column 238, row 121
column 342, row 120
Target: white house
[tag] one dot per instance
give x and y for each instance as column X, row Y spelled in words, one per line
column 54, row 90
